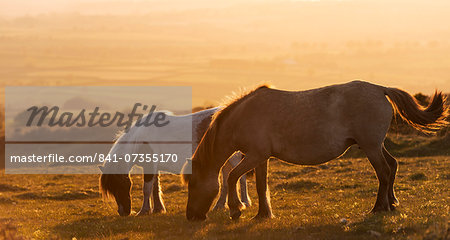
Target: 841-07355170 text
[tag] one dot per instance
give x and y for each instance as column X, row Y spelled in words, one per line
column 100, row 158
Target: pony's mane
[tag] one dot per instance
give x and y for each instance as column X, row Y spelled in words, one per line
column 234, row 99
column 107, row 186
column 206, row 145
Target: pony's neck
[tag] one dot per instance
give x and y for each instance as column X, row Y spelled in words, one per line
column 214, row 149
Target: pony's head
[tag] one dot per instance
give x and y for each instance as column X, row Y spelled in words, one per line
column 202, row 190
column 117, row 186
column 115, row 180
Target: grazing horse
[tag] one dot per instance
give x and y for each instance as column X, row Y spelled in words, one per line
column 306, row 128
column 119, row 185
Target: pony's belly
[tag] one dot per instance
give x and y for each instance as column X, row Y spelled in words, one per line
column 314, row 155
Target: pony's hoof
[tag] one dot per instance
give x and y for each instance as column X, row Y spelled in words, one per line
column 393, row 206
column 241, row 206
column 260, row 217
column 247, row 203
column 219, row 208
column 159, row 210
column 235, row 214
column 380, row 210
column 143, row 213
column 393, row 200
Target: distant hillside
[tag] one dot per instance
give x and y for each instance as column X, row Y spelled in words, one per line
column 402, row 140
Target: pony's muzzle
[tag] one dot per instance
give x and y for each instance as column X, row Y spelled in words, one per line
column 194, row 218
column 122, row 211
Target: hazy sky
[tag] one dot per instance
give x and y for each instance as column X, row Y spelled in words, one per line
column 23, row 7
column 401, row 43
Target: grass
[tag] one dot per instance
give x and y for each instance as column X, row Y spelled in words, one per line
column 308, row 202
column 418, row 176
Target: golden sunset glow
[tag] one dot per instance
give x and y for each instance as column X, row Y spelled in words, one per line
column 218, row 47
column 357, row 160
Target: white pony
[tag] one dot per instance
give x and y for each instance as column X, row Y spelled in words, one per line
column 146, row 141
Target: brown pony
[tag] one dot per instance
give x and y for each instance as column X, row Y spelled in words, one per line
column 307, row 128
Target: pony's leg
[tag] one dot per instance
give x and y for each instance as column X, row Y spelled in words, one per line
column 147, row 189
column 158, row 203
column 383, row 171
column 243, row 191
column 265, row 209
column 234, row 160
column 248, row 163
column 245, row 199
column 393, row 202
column 226, row 169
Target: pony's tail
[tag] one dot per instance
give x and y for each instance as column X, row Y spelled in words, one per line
column 427, row 120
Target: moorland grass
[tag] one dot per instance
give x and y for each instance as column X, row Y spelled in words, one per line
column 316, row 203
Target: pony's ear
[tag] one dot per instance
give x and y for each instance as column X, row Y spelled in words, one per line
column 102, row 169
